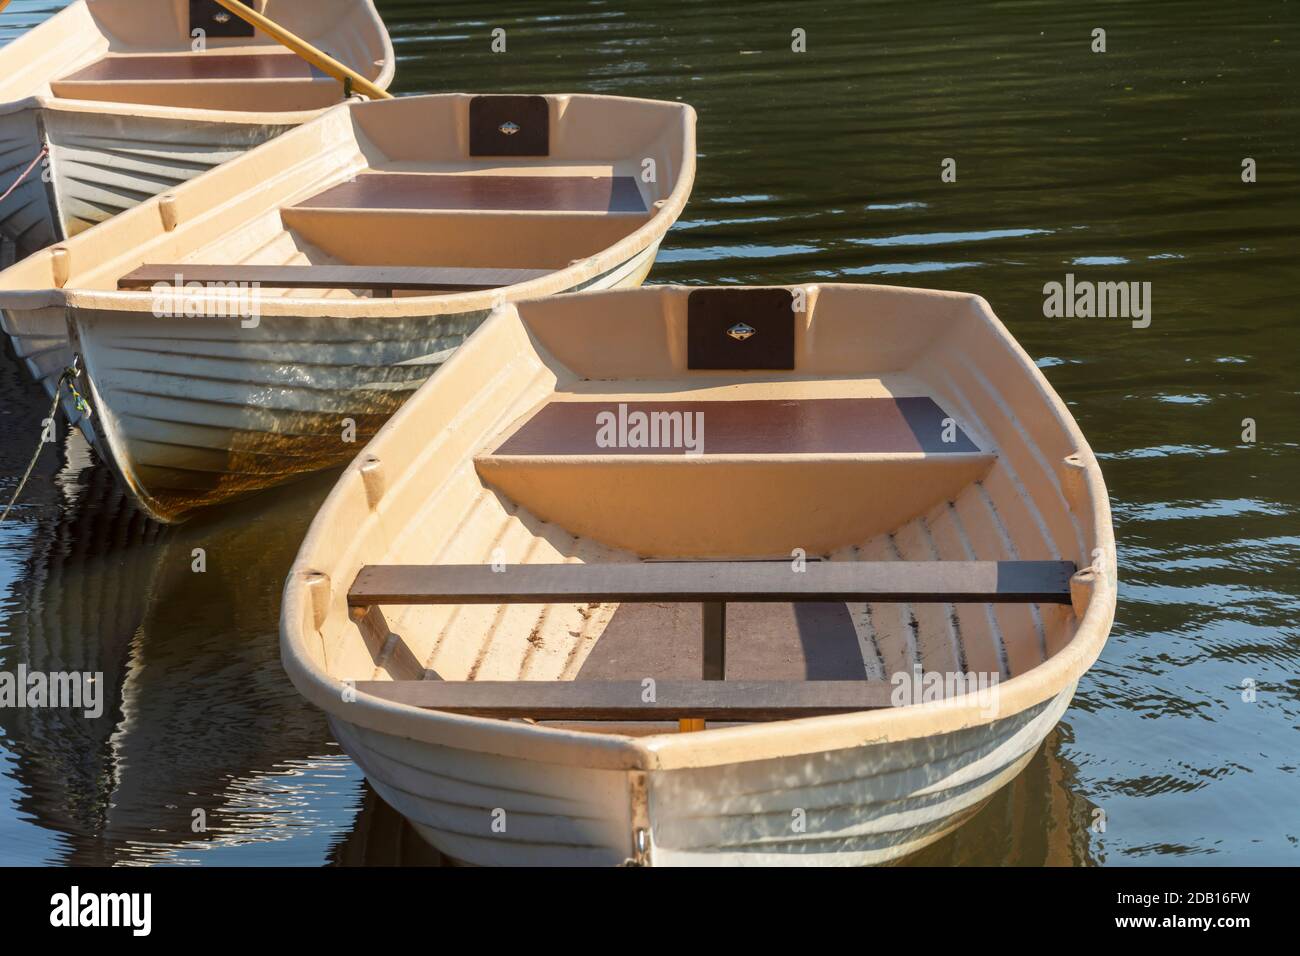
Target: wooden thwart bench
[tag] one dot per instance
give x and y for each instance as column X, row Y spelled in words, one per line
column 712, row 584
column 380, row 279
column 716, row 581
column 194, row 67
column 880, row 425
column 625, row 700
column 482, row 193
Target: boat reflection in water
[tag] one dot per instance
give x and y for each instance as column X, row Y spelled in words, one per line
column 201, row 743
column 76, row 607
column 380, row 836
column 1039, row 819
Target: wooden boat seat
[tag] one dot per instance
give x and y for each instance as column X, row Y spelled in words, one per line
column 194, row 67
column 765, row 426
column 933, row 582
column 622, row 700
column 378, row 279
column 471, row 220
column 453, row 192
column 870, row 463
column 711, row 583
column 216, row 80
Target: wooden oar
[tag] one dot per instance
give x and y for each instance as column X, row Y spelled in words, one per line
column 301, row 47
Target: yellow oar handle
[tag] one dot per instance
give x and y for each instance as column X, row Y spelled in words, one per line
column 300, row 46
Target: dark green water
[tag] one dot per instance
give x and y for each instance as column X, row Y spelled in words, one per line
column 1115, row 166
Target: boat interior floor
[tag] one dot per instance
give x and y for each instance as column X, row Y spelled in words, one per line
column 767, row 642
column 817, row 641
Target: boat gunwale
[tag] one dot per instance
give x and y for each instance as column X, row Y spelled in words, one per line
column 725, row 745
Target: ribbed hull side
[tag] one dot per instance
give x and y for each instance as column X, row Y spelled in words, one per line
column 868, row 805
column 496, row 811
column 101, row 164
column 27, row 218
column 39, row 338
column 192, row 412
column 77, row 605
column 196, row 411
column 106, row 163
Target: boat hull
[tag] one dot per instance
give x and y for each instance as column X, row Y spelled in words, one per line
column 194, row 412
column 853, row 807
column 91, row 165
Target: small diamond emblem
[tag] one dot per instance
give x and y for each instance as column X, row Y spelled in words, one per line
column 740, row 331
column 509, row 128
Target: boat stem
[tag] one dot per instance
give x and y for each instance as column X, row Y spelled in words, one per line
column 301, row 47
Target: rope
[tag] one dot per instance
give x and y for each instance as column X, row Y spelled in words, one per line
column 19, row 181
column 69, row 374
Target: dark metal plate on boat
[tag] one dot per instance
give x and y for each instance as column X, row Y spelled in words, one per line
column 509, row 126
column 740, row 329
column 216, row 21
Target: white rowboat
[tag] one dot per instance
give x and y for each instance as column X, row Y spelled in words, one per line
column 264, row 321
column 900, row 539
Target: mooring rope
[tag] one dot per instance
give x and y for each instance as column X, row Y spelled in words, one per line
column 26, row 172
column 67, row 378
